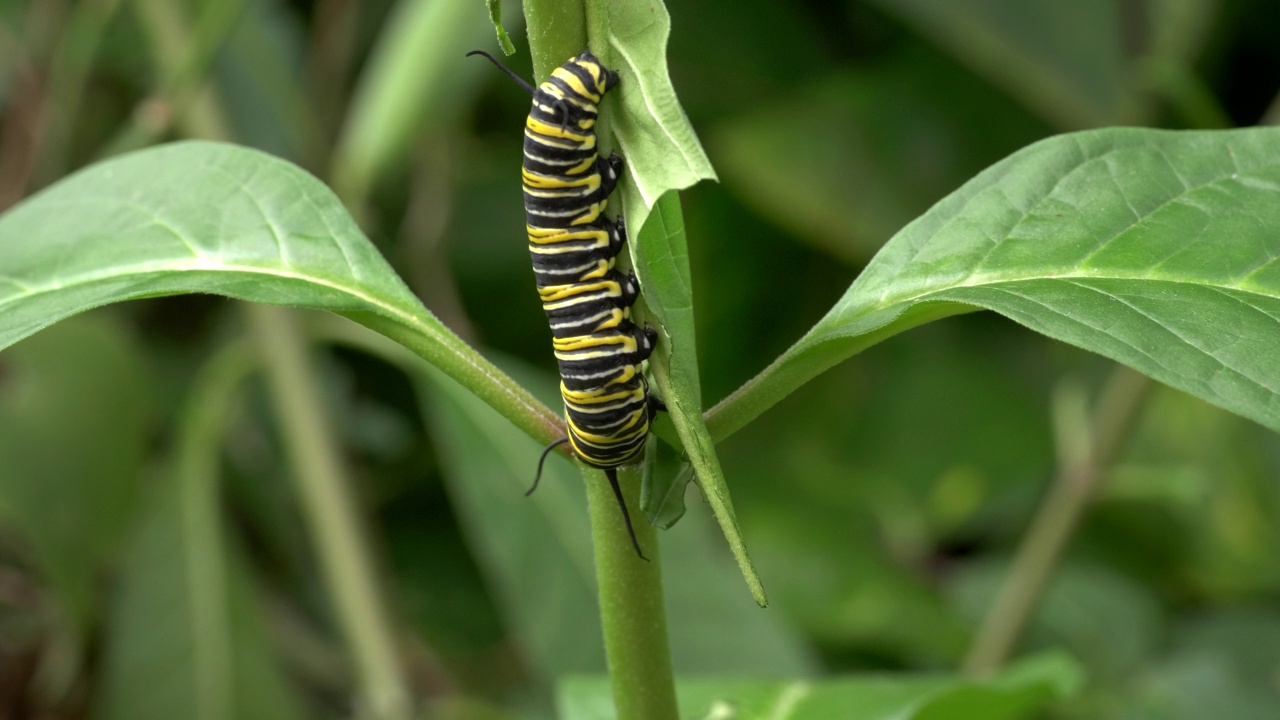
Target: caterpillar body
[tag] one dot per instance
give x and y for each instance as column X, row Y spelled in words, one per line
column 574, row 248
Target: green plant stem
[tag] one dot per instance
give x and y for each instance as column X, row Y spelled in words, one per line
column 330, row 511
column 557, row 31
column 71, row 65
column 183, row 58
column 203, row 420
column 1187, row 94
column 309, row 442
column 417, row 61
column 632, row 611
column 1069, row 496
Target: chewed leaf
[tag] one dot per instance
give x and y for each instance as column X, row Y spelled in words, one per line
column 652, row 131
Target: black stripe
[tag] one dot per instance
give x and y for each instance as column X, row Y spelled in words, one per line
column 623, row 421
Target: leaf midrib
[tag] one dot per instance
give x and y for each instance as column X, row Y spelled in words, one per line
column 1237, row 174
column 398, row 312
column 938, row 293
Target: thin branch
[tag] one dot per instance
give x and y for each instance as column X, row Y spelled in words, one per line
column 1086, row 449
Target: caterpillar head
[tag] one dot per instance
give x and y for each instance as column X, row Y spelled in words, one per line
column 605, row 79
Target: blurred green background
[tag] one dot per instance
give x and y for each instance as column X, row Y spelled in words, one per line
column 881, row 502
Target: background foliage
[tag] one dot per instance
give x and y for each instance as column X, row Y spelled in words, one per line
column 882, row 501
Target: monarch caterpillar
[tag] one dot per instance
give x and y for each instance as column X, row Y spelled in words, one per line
column 574, row 248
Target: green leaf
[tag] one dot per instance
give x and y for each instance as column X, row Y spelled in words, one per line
column 186, row 637
column 73, row 438
column 662, row 155
column 662, row 263
column 1150, row 247
column 178, row 645
column 536, row 550
column 414, row 77
column 209, row 218
column 536, row 554
column 666, row 475
column 495, row 17
column 653, row 135
column 1018, row 693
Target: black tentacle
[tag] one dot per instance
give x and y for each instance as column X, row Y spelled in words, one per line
column 510, row 73
column 612, row 474
column 546, row 451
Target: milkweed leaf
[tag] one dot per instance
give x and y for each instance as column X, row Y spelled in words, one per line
column 1157, row 249
column 198, row 217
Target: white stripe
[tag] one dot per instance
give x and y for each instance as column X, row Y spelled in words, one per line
column 584, row 321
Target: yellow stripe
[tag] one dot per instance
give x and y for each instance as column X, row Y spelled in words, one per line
column 593, row 397
column 574, row 84
column 544, row 182
column 602, row 268
column 635, row 428
column 587, row 456
column 587, row 341
column 538, row 234
column 588, row 144
column 593, row 214
column 558, row 94
column 628, row 372
column 544, row 129
column 551, row 293
column 595, row 71
column 569, row 193
column 583, row 300
column 601, row 239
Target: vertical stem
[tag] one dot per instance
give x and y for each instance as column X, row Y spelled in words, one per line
column 330, row 511
column 631, row 605
column 200, row 432
column 632, row 612
column 309, row 442
column 1055, row 522
column 67, row 78
column 183, row 57
column 557, row 31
